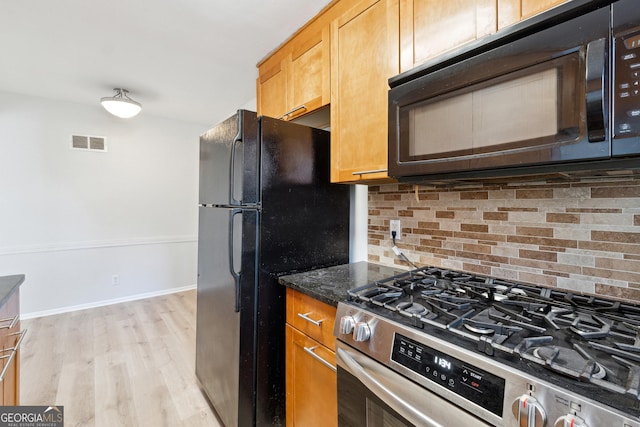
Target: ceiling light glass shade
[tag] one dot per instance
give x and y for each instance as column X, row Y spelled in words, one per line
column 120, row 104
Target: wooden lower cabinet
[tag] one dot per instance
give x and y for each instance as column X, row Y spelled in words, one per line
column 10, row 338
column 311, row 384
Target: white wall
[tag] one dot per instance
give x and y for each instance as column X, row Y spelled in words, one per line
column 71, row 219
column 359, row 223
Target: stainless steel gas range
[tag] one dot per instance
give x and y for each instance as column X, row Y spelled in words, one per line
column 435, row 347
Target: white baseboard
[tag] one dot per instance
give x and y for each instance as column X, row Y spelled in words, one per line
column 32, row 315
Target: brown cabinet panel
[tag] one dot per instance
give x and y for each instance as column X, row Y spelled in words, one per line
column 364, row 54
column 512, row 11
column 310, row 362
column 9, row 338
column 296, row 79
column 431, row 27
column 311, row 384
column 309, row 84
column 272, row 89
column 303, row 311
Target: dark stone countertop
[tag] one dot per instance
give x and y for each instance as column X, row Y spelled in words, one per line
column 330, row 285
column 8, row 284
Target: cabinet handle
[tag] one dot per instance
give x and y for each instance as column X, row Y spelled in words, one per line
column 14, row 320
column 310, row 320
column 311, row 351
column 369, row 172
column 14, row 351
column 301, row 107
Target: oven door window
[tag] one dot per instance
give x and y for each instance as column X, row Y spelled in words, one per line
column 379, row 416
column 540, row 105
column 359, row 407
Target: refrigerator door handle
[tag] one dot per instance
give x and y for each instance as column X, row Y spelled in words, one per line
column 232, row 270
column 232, row 165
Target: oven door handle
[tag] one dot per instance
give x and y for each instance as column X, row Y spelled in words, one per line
column 362, row 368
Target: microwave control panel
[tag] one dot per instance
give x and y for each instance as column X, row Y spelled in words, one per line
column 625, row 78
column 627, row 86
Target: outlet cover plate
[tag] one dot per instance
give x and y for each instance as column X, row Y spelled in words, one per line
column 394, row 225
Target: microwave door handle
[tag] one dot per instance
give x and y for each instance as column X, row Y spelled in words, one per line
column 393, row 398
column 595, row 75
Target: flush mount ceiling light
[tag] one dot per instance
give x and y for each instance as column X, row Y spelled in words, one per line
column 120, row 104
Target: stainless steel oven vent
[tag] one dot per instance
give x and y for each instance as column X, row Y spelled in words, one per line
column 91, row 143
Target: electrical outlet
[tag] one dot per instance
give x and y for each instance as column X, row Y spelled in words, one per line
column 394, row 225
column 115, row 280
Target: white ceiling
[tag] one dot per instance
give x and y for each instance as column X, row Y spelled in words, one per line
column 191, row 60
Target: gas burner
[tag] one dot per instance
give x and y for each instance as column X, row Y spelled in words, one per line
column 412, row 308
column 570, row 362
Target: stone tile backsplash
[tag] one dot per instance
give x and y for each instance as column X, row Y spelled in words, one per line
column 580, row 235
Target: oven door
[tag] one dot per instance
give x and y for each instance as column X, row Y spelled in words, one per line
column 372, row 395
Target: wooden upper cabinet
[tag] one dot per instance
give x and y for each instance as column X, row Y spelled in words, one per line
column 512, row 11
column 431, row 27
column 309, row 76
column 296, row 80
column 364, row 54
column 272, row 88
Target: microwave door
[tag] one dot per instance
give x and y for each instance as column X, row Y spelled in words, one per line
column 536, row 101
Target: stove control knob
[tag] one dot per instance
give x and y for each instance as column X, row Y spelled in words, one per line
column 347, row 324
column 528, row 412
column 570, row 421
column 362, row 332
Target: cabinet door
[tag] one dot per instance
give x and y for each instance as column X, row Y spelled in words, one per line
column 10, row 389
column 311, row 384
column 512, row 11
column 364, row 55
column 272, row 89
column 309, row 76
column 431, row 27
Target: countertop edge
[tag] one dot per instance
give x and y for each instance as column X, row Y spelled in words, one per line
column 8, row 285
column 309, row 292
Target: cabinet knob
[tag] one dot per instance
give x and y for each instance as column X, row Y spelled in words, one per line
column 362, row 332
column 528, row 412
column 347, row 325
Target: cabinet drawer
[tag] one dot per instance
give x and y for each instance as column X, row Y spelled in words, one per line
column 311, row 317
column 311, row 382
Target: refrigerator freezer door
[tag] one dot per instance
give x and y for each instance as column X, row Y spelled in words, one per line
column 305, row 218
column 229, row 161
column 218, row 322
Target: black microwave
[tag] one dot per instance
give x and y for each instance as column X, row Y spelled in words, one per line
column 557, row 92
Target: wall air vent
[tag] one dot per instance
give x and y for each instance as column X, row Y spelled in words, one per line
column 90, row 143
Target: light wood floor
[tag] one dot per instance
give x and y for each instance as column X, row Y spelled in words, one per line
column 129, row 364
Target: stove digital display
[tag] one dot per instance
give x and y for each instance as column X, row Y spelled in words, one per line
column 476, row 385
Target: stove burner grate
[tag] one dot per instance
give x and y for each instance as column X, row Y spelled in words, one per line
column 570, row 362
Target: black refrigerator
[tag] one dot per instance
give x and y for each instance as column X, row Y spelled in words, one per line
column 266, row 209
